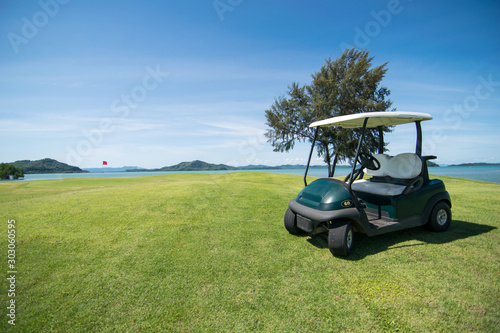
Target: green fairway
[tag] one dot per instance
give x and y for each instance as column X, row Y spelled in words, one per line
column 209, row 252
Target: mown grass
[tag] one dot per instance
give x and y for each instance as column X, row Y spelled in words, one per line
column 208, row 252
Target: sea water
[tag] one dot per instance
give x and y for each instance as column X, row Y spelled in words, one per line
column 489, row 173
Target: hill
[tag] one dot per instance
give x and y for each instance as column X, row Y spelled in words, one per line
column 474, row 164
column 197, row 166
column 432, row 164
column 204, row 166
column 46, row 165
column 190, row 166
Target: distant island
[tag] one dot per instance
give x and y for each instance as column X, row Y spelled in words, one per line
column 49, row 165
column 190, row 166
column 474, row 164
column 432, row 164
column 46, row 165
column 198, row 165
column 204, row 166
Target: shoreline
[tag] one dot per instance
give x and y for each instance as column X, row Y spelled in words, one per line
column 488, row 173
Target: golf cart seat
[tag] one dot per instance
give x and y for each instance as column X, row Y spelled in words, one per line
column 397, row 175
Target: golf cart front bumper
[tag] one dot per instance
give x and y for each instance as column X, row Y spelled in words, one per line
column 309, row 218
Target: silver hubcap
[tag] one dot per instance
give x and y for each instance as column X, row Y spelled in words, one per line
column 349, row 239
column 442, row 217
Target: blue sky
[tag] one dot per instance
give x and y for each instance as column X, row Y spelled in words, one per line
column 155, row 83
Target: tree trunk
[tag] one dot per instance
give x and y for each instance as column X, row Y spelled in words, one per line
column 334, row 164
column 328, row 159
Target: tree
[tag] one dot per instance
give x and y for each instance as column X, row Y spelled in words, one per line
column 7, row 170
column 344, row 86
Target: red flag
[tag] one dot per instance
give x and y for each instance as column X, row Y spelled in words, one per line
column 104, row 163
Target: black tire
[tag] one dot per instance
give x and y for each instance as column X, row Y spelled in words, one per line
column 291, row 223
column 340, row 238
column 440, row 218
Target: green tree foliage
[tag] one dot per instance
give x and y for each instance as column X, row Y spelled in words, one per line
column 343, row 86
column 8, row 170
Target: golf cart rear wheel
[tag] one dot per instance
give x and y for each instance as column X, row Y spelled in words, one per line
column 440, row 218
column 291, row 223
column 340, row 238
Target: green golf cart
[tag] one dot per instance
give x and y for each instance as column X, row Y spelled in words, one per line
column 397, row 195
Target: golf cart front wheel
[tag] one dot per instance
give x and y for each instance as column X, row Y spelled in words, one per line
column 340, row 238
column 291, row 223
column 440, row 218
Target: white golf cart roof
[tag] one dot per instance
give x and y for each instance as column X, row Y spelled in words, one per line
column 375, row 119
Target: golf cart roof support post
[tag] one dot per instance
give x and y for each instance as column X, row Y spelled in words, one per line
column 357, row 152
column 418, row 149
column 310, row 154
column 380, row 139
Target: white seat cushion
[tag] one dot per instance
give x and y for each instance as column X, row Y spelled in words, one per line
column 385, row 189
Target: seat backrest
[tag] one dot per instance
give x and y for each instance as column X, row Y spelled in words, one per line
column 383, row 159
column 405, row 166
column 402, row 166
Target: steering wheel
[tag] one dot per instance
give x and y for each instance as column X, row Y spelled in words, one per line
column 368, row 161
